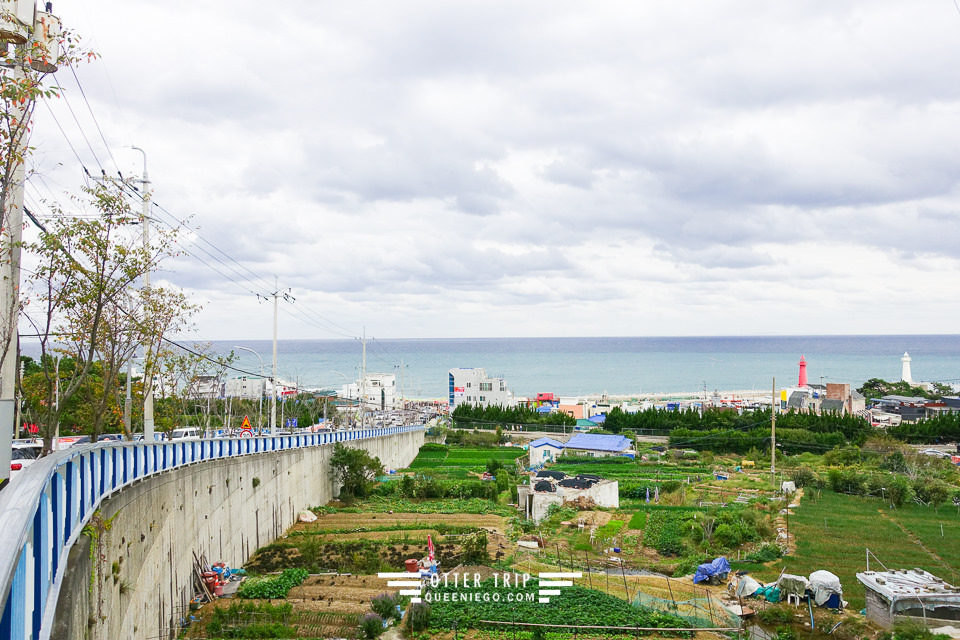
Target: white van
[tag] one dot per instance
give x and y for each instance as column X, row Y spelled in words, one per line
column 186, row 433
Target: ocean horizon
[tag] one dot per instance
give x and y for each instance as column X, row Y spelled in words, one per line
column 617, row 366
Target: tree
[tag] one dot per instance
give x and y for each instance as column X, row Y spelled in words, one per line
column 83, row 306
column 183, row 373
column 355, row 470
column 23, row 69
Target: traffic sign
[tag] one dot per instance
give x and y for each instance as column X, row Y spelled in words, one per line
column 246, row 423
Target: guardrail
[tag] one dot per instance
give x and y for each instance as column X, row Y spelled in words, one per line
column 44, row 512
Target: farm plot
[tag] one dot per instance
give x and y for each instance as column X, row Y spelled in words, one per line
column 344, row 521
column 458, row 463
column 937, row 530
column 573, row 605
column 833, row 532
column 316, row 609
column 380, row 505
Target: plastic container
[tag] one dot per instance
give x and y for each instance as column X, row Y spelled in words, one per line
column 218, row 589
column 412, row 565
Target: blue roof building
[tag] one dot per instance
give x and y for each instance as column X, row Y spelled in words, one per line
column 598, row 444
column 544, row 450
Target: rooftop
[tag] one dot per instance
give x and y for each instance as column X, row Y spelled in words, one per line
column 599, row 442
column 909, row 583
column 540, row 442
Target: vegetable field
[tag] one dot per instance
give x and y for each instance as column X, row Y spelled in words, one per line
column 574, row 605
column 833, row 532
column 458, row 463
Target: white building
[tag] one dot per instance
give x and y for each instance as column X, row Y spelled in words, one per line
column 545, row 450
column 253, row 388
column 473, row 386
column 536, row 498
column 378, row 390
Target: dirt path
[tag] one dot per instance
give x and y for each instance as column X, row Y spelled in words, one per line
column 782, row 524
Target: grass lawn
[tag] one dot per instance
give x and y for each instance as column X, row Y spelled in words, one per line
column 833, row 532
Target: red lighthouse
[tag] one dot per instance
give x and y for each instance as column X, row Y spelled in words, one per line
column 802, row 382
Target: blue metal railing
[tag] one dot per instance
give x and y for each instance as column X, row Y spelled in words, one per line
column 44, row 512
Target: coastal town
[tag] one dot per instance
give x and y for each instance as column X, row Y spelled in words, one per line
column 641, row 275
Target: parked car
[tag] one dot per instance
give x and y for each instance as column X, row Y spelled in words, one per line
column 935, row 452
column 110, row 437
column 140, row 437
column 69, row 441
column 186, row 433
column 24, row 454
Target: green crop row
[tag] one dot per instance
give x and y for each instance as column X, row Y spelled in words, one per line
column 270, row 588
column 574, row 605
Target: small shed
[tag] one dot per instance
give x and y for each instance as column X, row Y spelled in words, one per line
column 913, row 594
column 544, row 450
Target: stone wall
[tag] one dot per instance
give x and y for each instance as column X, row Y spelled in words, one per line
column 132, row 575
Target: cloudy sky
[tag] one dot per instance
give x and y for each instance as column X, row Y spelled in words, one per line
column 471, row 169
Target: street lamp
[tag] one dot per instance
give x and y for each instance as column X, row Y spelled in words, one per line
column 260, row 410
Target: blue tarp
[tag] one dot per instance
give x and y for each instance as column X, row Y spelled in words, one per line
column 719, row 566
column 599, row 442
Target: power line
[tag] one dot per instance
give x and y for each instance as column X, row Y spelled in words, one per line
column 79, row 126
column 92, row 115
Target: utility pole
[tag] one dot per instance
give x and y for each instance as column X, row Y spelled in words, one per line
column 128, row 402
column 273, row 391
column 773, row 434
column 26, row 28
column 148, row 422
column 363, row 383
column 10, row 238
column 403, row 398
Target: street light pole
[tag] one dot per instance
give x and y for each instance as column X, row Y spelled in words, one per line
column 148, row 422
column 260, row 410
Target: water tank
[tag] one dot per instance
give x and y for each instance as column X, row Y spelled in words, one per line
column 46, row 43
column 15, row 27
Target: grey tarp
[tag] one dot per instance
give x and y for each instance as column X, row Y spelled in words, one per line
column 824, row 584
column 747, row 587
column 792, row 585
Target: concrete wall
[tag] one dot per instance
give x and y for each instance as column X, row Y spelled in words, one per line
column 537, row 504
column 133, row 578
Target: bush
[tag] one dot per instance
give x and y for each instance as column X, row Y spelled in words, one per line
column 384, row 606
column 766, row 553
column 670, row 486
column 418, row 616
column 776, row 615
column 803, row 476
column 371, row 626
column 898, row 491
column 847, row 481
column 433, row 446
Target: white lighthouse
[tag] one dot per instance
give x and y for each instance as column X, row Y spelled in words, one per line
column 905, row 373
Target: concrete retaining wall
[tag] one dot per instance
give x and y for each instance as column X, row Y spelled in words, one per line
column 131, row 576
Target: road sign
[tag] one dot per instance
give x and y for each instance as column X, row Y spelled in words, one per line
column 246, row 423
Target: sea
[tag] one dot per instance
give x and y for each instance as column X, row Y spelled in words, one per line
column 622, row 367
